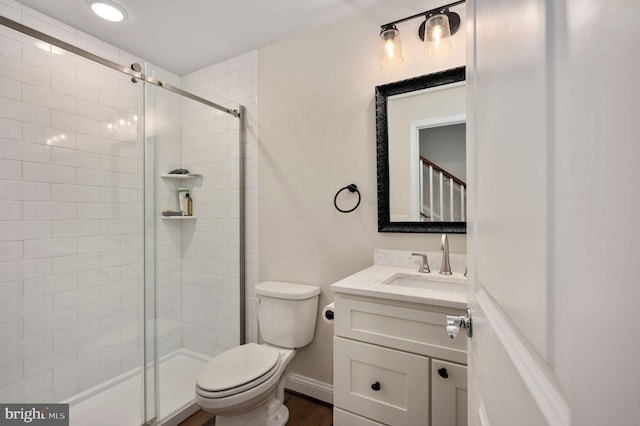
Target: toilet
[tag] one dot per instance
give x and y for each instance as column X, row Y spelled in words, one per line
column 245, row 385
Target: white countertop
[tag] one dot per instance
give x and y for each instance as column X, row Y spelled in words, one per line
column 371, row 282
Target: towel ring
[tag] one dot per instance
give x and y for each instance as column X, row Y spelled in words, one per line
column 352, row 188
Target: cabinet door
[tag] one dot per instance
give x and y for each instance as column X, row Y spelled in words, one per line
column 448, row 394
column 345, row 418
column 382, row 384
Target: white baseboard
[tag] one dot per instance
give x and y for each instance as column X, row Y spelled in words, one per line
column 310, row 387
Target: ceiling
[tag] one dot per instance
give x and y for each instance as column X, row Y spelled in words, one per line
column 182, row 36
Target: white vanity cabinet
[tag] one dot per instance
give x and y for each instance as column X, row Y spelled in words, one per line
column 387, row 354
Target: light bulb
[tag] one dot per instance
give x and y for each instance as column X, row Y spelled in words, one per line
column 389, row 48
column 437, row 33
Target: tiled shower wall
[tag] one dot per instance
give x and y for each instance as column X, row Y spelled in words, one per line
column 211, row 243
column 71, row 215
column 163, row 129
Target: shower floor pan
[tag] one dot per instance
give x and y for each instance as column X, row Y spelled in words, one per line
column 119, row 401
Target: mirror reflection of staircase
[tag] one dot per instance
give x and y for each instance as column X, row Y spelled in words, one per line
column 443, row 196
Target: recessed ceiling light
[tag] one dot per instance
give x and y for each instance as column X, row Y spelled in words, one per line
column 107, row 9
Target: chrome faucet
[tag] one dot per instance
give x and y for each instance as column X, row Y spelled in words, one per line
column 424, row 263
column 445, row 268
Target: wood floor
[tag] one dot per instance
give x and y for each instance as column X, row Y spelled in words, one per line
column 302, row 412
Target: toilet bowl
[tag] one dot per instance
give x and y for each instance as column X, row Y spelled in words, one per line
column 245, row 385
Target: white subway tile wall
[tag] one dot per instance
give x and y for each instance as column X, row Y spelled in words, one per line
column 71, row 221
column 71, row 206
column 217, row 201
column 164, row 131
column 70, row 227
column 210, row 148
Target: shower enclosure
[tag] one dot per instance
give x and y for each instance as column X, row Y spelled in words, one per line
column 105, row 303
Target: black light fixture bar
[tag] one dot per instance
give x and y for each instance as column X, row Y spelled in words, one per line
column 417, row 15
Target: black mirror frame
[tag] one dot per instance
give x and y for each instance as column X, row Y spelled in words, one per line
column 382, row 139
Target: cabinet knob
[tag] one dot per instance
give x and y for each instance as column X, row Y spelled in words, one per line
column 376, row 386
column 443, row 372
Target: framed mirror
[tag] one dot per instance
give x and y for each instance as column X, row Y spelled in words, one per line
column 421, row 153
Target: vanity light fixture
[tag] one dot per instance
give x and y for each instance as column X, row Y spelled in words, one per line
column 436, row 31
column 108, row 10
column 390, row 47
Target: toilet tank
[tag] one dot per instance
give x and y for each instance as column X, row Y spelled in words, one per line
column 287, row 313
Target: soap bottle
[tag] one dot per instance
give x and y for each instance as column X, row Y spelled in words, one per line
column 182, row 205
column 189, row 205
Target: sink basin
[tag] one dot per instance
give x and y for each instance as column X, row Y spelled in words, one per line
column 442, row 283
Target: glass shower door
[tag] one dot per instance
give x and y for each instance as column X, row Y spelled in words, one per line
column 198, row 257
column 71, row 233
column 105, row 304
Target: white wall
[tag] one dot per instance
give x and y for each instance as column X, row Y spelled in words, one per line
column 597, row 105
column 317, row 134
column 446, row 146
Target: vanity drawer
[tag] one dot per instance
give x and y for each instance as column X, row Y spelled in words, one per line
column 382, row 384
column 414, row 330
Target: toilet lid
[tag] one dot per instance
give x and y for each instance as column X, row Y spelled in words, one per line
column 237, row 366
column 282, row 290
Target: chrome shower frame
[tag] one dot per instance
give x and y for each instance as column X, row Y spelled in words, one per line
column 136, row 75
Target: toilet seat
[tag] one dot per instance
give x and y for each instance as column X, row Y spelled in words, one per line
column 237, row 370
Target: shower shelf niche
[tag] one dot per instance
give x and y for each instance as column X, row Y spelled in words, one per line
column 179, row 177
